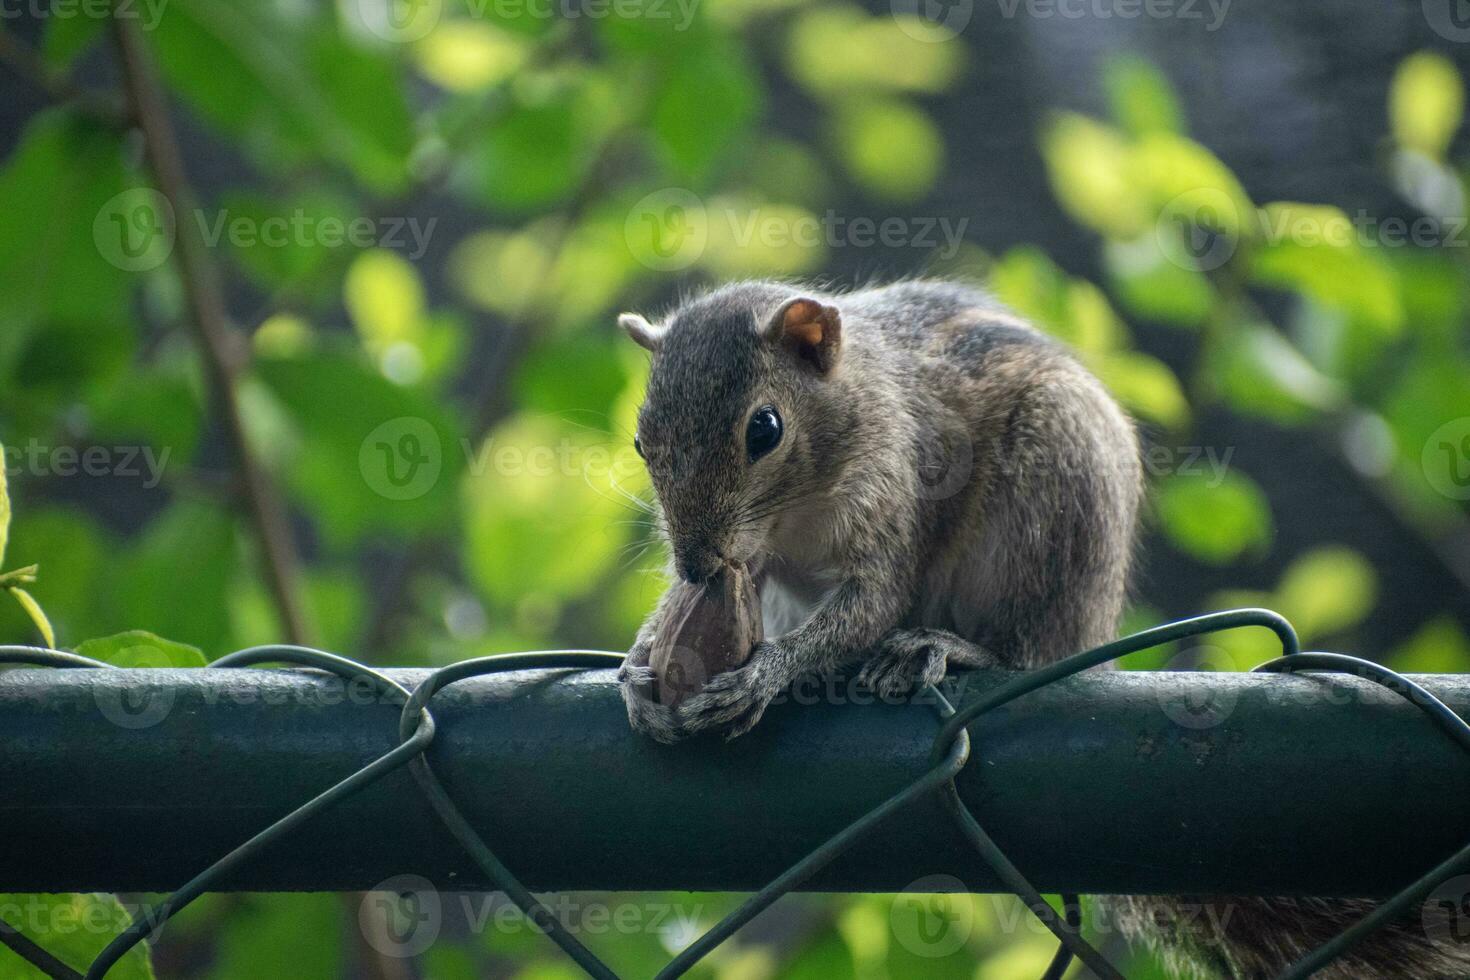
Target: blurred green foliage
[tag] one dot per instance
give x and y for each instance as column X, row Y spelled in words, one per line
column 454, row 435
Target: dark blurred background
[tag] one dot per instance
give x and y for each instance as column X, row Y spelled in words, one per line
column 406, row 228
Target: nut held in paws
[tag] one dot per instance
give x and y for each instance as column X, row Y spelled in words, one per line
column 707, row 630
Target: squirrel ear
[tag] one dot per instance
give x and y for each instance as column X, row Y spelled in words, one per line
column 643, row 333
column 812, row 328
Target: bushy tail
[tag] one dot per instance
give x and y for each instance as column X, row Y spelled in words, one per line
column 1258, row 938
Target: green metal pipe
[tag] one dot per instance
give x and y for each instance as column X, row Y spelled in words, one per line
column 1113, row 782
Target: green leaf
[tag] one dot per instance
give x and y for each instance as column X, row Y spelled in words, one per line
column 1145, row 385
column 470, row 55
column 1260, row 373
column 307, row 262
column 368, row 455
column 1022, row 958
column 176, row 576
column 158, row 411
column 1440, row 646
column 1327, row 590
column 1153, row 287
column 74, row 929
column 1091, row 326
column 67, row 37
column 19, row 576
column 542, row 511
column 1245, row 648
column 37, row 615
column 784, row 170
column 538, row 151
column 1182, row 178
column 51, row 269
column 1426, row 102
column 385, row 299
column 578, row 376
column 835, row 51
column 69, row 356
column 1214, row 517
column 290, row 87
column 890, row 147
column 1090, row 168
column 1314, row 249
column 1429, row 394
column 826, row 956
column 281, row 935
column 732, row 252
column 1028, row 281
column 1141, row 98
column 335, row 602
column 139, row 648
column 4, row 505
column 934, row 936
column 705, row 103
column 75, row 551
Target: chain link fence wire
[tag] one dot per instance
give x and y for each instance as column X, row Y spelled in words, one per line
column 950, row 754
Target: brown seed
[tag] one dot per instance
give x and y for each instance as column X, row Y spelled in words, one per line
column 707, row 630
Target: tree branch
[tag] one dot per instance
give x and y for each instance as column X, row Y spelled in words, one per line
column 223, row 349
column 226, row 355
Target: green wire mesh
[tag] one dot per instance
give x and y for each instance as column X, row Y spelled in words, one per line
column 950, row 754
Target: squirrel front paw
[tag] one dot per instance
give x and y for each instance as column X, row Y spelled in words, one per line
column 910, row 658
column 732, row 702
column 645, row 714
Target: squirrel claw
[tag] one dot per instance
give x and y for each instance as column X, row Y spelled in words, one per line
column 730, row 703
column 909, row 659
column 645, row 714
column 629, row 674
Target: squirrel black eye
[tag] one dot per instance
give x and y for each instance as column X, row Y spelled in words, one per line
column 638, row 447
column 763, row 433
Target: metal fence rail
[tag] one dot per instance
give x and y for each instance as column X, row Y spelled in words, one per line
column 1114, row 782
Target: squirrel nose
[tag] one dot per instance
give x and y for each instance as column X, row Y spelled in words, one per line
column 699, row 569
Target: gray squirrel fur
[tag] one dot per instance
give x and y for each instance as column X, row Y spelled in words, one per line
column 953, row 488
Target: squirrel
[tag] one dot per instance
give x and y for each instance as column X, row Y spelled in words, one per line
column 919, row 479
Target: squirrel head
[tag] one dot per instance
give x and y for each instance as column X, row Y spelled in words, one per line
column 743, row 409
